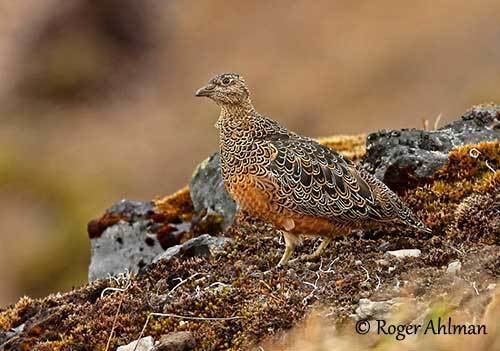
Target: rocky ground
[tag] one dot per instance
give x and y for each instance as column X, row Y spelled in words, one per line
column 185, row 272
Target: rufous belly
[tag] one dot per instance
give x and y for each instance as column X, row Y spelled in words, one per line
column 257, row 197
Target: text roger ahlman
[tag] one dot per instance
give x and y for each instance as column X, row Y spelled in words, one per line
column 440, row 327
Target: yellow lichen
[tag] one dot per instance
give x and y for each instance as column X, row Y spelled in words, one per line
column 177, row 205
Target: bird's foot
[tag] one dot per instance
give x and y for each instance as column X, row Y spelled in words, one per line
column 290, row 243
column 305, row 258
column 316, row 254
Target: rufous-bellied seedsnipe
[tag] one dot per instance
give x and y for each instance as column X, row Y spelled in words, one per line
column 292, row 181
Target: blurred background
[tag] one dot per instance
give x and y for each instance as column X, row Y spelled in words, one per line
column 96, row 97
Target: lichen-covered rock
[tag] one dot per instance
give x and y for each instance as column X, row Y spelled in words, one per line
column 179, row 341
column 368, row 309
column 404, row 253
column 124, row 210
column 405, row 158
column 454, row 267
column 122, row 247
column 203, row 245
column 130, row 235
column 144, row 344
column 211, row 201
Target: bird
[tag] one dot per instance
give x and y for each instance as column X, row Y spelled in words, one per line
column 291, row 181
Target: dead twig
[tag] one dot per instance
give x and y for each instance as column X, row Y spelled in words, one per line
column 270, row 294
column 475, row 153
column 425, row 124
column 329, row 269
column 183, row 281
column 114, row 324
column 436, row 122
column 379, row 282
column 120, row 279
column 314, row 286
column 489, row 166
column 367, row 274
column 462, row 253
column 475, row 289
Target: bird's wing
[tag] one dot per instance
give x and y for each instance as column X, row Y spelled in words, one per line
column 315, row 180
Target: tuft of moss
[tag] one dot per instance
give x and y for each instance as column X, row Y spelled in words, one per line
column 351, row 146
column 18, row 311
column 467, row 186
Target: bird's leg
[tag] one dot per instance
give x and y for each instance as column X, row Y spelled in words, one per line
column 317, row 253
column 291, row 241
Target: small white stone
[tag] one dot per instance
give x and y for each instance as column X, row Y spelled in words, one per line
column 382, row 262
column 368, row 309
column 144, row 344
column 358, row 263
column 454, row 267
column 491, row 286
column 404, row 253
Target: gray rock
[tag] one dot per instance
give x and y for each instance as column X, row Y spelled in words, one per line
column 407, row 158
column 454, row 267
column 404, row 253
column 208, row 193
column 178, row 341
column 144, row 344
column 133, row 210
column 368, row 309
column 126, row 238
column 5, row 337
column 123, row 247
column 203, row 245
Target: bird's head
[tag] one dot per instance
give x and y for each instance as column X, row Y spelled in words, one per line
column 226, row 89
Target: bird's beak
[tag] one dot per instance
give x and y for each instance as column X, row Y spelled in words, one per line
column 205, row 91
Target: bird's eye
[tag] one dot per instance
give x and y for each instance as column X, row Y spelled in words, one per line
column 226, row 81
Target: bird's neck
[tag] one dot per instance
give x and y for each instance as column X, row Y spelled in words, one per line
column 235, row 115
column 237, row 111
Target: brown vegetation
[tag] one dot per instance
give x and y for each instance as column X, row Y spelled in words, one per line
column 241, row 283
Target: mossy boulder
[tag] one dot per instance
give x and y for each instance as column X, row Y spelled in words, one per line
column 406, row 158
